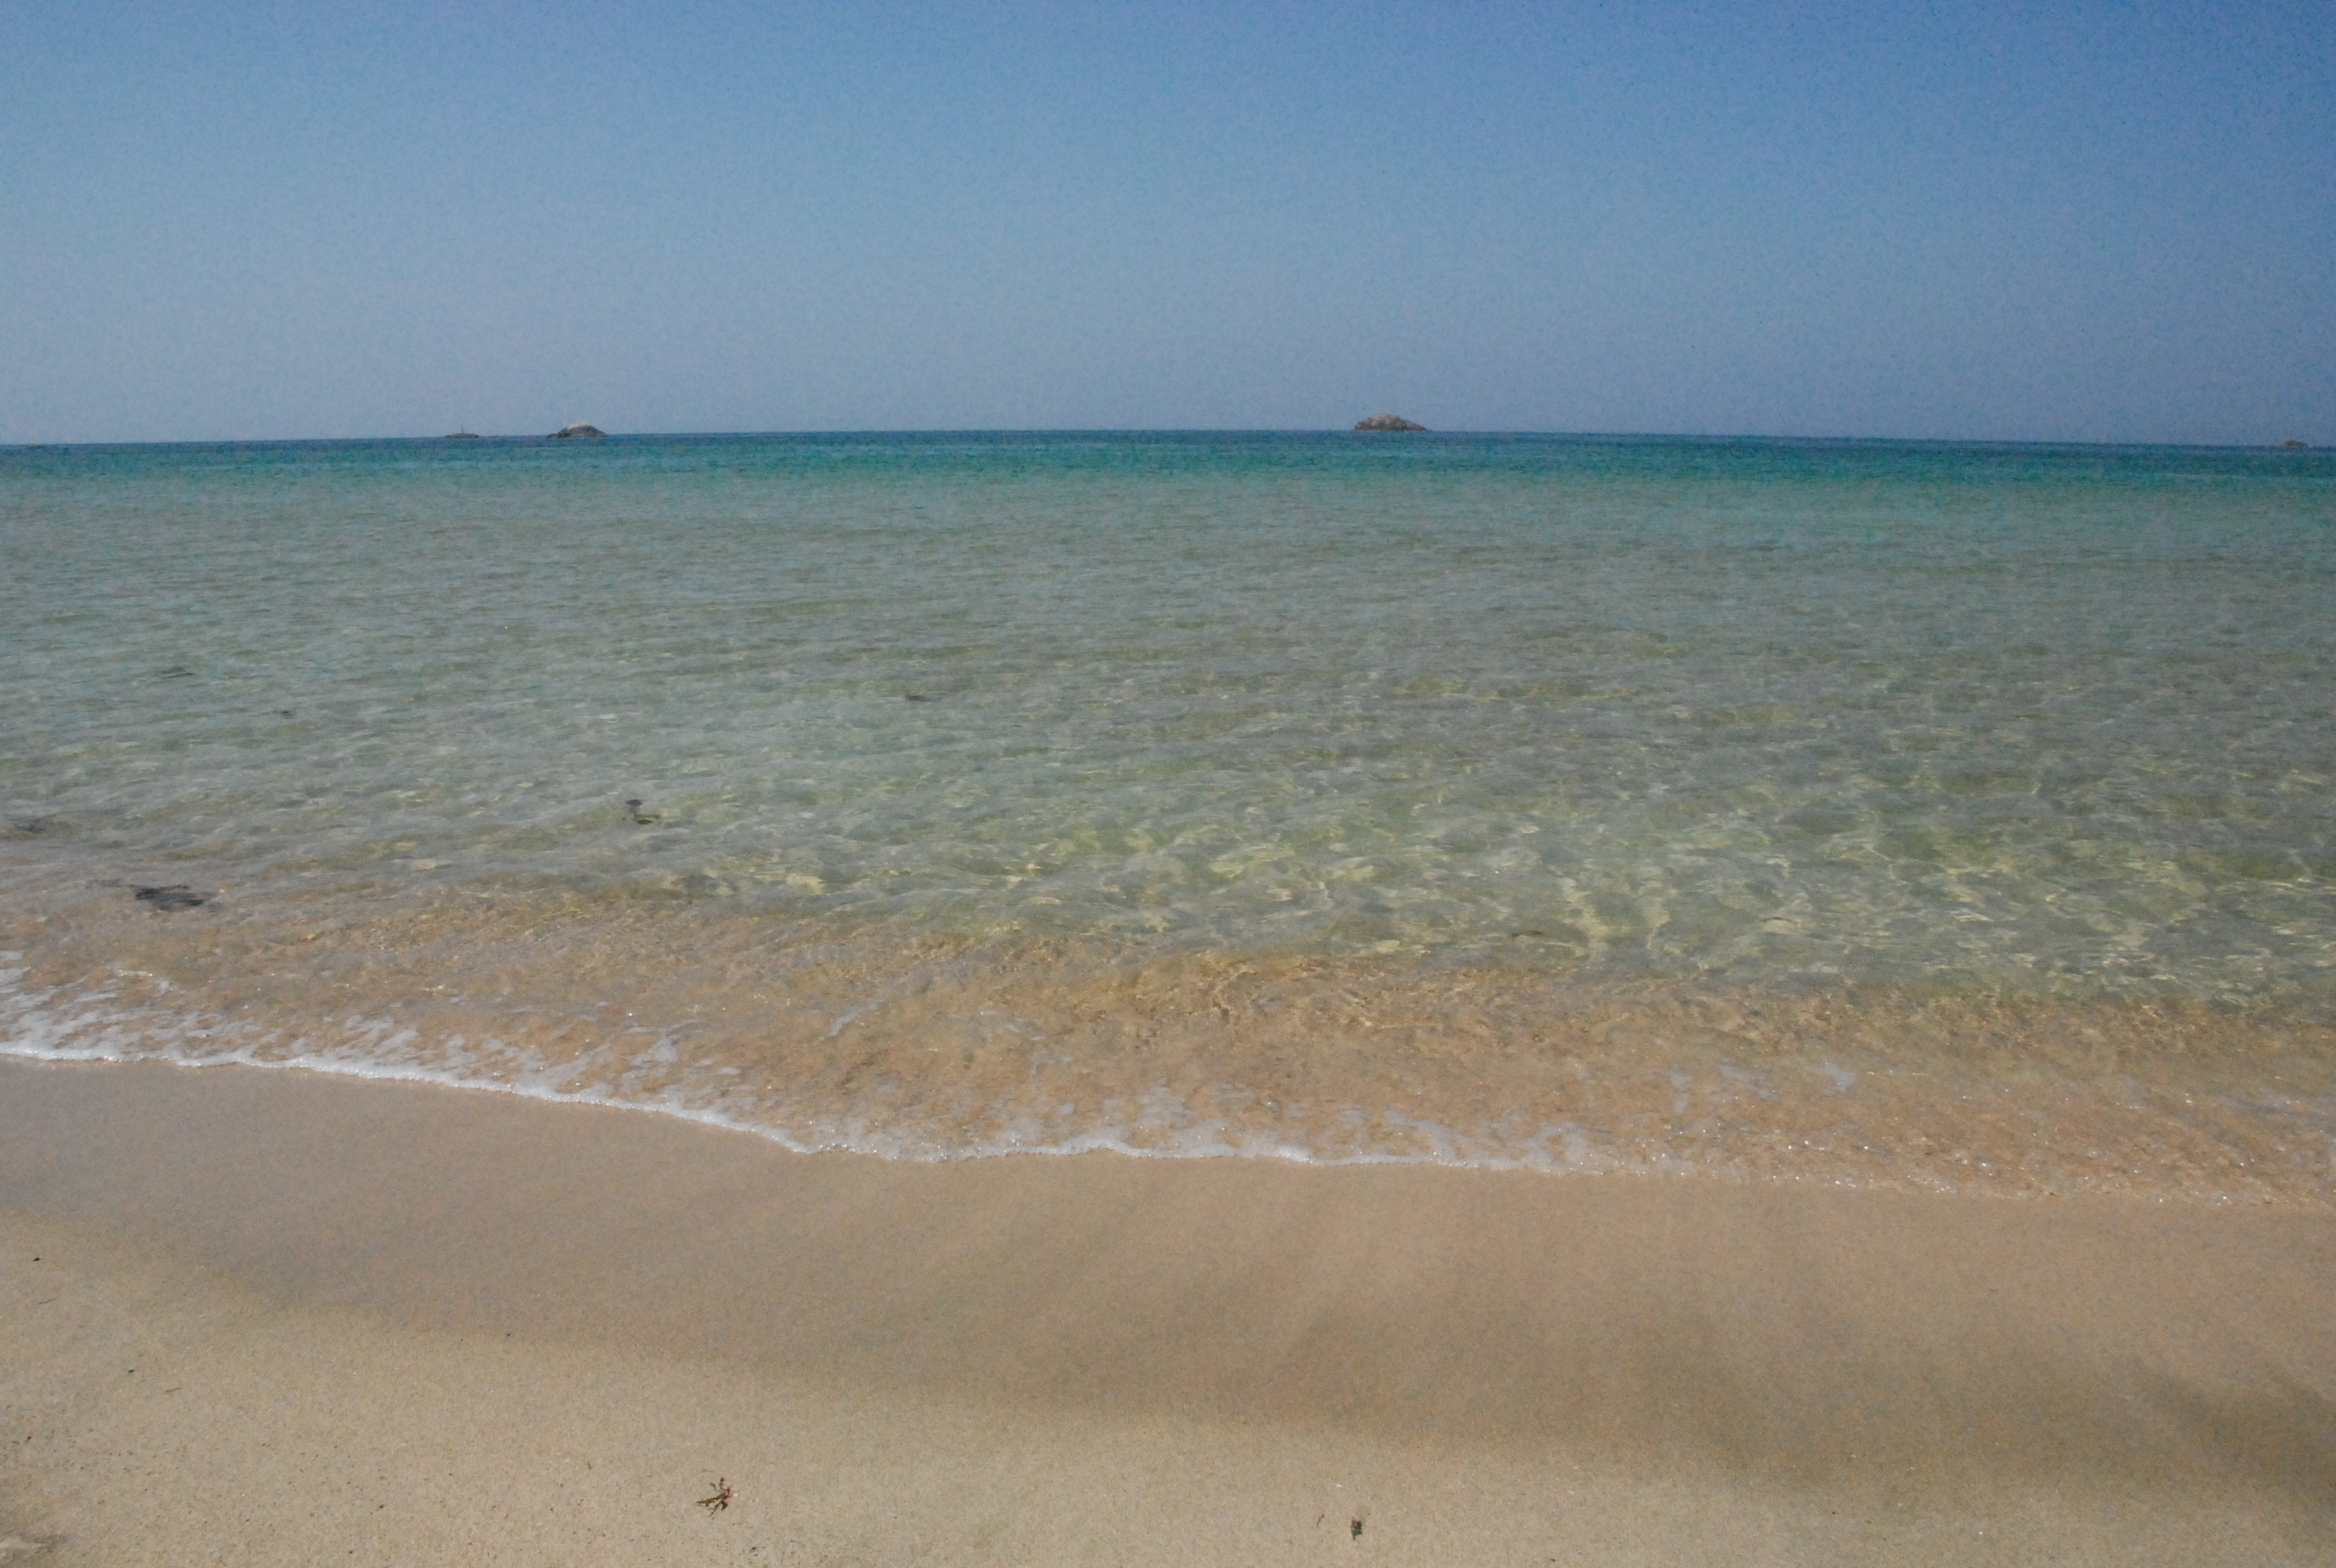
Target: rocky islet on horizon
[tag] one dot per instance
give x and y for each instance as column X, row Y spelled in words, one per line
column 1387, row 422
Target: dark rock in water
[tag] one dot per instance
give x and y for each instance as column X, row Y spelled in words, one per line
column 463, row 435
column 573, row 431
column 177, row 896
column 2295, row 446
column 1387, row 422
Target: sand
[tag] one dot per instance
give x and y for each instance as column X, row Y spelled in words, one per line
column 280, row 1318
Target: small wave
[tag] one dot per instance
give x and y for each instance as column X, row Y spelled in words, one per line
column 1662, row 1103
column 46, row 1026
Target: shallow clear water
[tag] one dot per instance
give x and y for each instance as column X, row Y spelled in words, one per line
column 967, row 754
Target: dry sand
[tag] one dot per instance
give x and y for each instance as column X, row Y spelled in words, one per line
column 277, row 1317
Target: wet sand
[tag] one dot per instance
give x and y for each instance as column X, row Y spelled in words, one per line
column 280, row 1318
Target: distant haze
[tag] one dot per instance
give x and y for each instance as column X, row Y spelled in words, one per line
column 2030, row 223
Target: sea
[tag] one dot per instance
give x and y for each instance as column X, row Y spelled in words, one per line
column 1898, row 814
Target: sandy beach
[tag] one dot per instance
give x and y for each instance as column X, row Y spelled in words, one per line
column 271, row 1317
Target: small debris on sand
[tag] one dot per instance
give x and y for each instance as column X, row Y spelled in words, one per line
column 177, row 896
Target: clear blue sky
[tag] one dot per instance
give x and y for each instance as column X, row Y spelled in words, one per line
column 2027, row 221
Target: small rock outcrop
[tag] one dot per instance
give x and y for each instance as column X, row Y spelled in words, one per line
column 574, row 431
column 2295, row 446
column 463, row 435
column 1387, row 422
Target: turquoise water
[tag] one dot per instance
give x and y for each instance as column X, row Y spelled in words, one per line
column 1601, row 726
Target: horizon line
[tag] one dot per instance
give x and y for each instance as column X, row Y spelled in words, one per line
column 2289, row 443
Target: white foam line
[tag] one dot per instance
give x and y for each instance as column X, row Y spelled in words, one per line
column 28, row 1031
column 1203, row 1141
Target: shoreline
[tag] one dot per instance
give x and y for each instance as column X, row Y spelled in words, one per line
column 454, row 1300
column 939, row 1048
